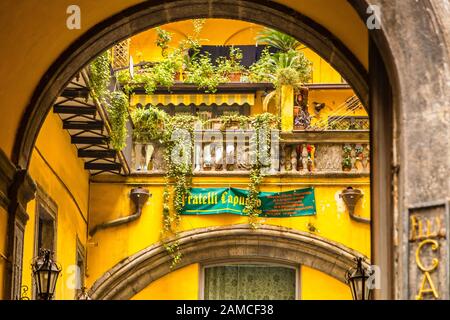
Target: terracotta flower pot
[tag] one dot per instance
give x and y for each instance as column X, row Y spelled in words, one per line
column 234, row 77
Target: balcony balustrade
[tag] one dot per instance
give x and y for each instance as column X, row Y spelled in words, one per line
column 234, row 152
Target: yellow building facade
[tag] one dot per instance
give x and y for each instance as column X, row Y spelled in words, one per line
column 70, row 201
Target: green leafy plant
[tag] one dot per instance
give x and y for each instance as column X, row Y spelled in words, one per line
column 203, row 73
column 291, row 68
column 347, row 159
column 278, row 40
column 226, row 120
column 118, row 116
column 227, row 66
column 262, row 124
column 161, row 73
column 100, row 75
column 163, row 39
column 180, row 176
column 190, row 47
column 148, row 124
column 123, row 76
column 261, row 70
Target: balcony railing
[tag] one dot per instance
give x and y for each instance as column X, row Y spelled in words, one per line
column 295, row 154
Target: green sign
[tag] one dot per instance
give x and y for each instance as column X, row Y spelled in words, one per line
column 293, row 203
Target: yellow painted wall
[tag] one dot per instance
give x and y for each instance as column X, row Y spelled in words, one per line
column 317, row 285
column 184, row 284
column 3, row 228
column 334, row 100
column 219, row 32
column 54, row 146
column 181, row 284
column 110, row 201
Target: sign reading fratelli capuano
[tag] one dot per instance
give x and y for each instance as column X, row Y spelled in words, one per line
column 202, row 201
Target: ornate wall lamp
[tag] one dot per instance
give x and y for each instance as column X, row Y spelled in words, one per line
column 357, row 280
column 45, row 273
column 351, row 197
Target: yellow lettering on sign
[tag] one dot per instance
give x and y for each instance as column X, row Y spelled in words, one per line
column 427, row 269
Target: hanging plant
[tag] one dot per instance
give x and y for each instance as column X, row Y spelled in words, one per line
column 262, row 124
column 227, row 120
column 118, row 116
column 100, row 76
column 148, row 124
column 180, row 176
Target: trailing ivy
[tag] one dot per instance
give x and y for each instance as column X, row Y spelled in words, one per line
column 178, row 177
column 118, row 116
column 226, row 120
column 100, row 76
column 262, row 124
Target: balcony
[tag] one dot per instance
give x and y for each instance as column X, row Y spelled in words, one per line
column 325, row 153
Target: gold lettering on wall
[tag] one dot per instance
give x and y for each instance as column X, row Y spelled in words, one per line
column 427, row 269
column 432, row 228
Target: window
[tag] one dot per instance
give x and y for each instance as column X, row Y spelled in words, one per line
column 81, row 265
column 46, row 225
column 46, row 232
column 250, row 282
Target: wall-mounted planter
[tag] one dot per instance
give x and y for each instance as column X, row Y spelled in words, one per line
column 351, row 197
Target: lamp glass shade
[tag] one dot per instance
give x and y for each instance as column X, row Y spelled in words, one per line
column 46, row 273
column 357, row 280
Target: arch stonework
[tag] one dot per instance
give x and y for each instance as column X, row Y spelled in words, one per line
column 208, row 245
column 409, row 81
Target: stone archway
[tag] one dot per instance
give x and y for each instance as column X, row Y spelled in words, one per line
column 153, row 13
column 208, row 245
column 408, row 86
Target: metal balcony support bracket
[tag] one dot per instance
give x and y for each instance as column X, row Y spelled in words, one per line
column 139, row 197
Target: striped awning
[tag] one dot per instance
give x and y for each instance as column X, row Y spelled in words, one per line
column 189, row 99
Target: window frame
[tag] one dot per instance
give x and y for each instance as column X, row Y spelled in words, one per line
column 44, row 201
column 80, row 251
column 256, row 261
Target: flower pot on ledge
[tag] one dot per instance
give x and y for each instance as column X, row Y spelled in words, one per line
column 235, row 77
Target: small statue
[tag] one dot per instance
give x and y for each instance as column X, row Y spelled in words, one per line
column 149, row 149
column 299, row 149
column 218, row 158
column 207, row 158
column 294, row 160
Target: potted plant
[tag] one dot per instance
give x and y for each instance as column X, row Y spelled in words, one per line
column 163, row 39
column 260, row 70
column 118, row 116
column 230, row 68
column 148, row 130
column 347, row 159
column 202, row 72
